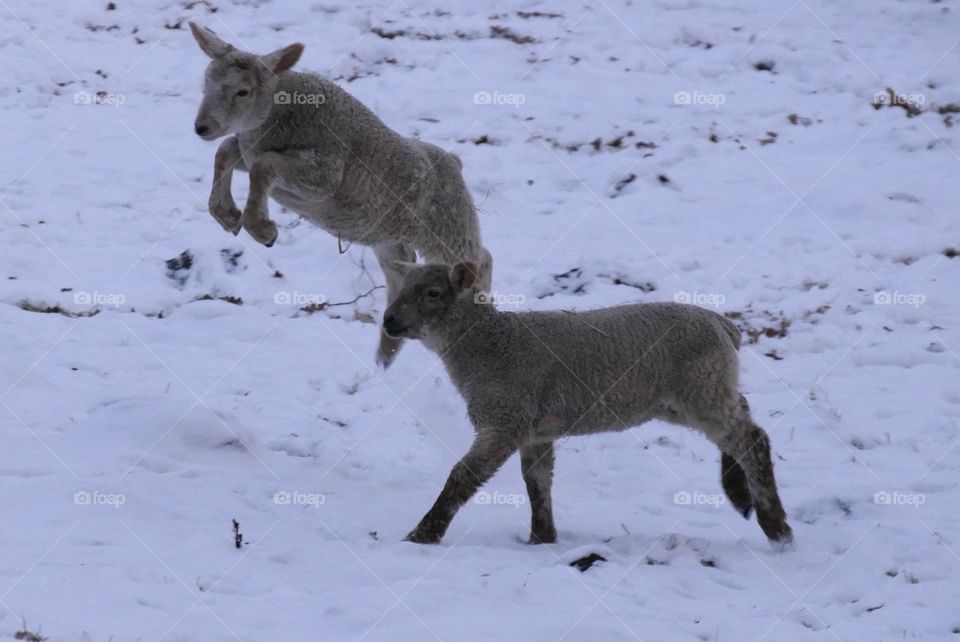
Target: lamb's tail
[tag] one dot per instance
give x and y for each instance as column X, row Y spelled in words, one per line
column 732, row 331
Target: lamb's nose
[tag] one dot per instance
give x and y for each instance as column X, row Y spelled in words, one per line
column 392, row 326
column 201, row 129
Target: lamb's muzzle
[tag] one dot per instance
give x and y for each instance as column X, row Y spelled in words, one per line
column 392, row 327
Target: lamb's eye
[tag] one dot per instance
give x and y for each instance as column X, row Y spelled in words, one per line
column 434, row 293
column 243, row 92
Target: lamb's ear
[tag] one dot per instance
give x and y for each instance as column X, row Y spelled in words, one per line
column 463, row 275
column 282, row 59
column 212, row 45
column 401, row 267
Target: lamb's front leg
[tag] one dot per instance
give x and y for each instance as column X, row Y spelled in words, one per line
column 256, row 215
column 221, row 205
column 536, row 463
column 487, row 454
column 303, row 173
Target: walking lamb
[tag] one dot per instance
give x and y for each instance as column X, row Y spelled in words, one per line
column 318, row 151
column 532, row 377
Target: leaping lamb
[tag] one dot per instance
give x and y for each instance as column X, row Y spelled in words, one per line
column 318, row 151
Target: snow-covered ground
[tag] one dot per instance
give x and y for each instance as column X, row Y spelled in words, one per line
column 724, row 153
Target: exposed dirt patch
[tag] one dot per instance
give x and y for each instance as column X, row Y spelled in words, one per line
column 29, row 306
column 506, row 33
column 600, row 143
column 587, row 561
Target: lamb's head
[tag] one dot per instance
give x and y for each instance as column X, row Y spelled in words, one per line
column 428, row 294
column 239, row 88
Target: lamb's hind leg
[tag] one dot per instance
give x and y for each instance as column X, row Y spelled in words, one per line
column 536, row 463
column 749, row 447
column 385, row 254
column 734, row 481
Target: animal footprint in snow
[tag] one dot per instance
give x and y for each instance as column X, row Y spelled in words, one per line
column 231, row 260
column 178, row 268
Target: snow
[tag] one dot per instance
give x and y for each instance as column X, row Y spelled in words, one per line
column 132, row 438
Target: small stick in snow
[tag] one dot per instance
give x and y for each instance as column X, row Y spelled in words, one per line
column 237, row 535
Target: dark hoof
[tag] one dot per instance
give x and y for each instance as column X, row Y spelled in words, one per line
column 745, row 511
column 276, row 235
column 782, row 542
column 543, row 538
column 422, row 538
